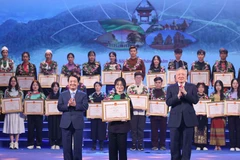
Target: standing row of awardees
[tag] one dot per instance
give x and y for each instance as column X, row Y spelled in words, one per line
column 126, row 104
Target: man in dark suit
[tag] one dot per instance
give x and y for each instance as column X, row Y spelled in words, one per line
column 72, row 103
column 181, row 97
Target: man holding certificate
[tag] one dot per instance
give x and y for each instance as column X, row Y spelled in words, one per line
column 72, row 103
column 181, row 96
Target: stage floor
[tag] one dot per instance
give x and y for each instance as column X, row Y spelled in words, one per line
column 48, row 154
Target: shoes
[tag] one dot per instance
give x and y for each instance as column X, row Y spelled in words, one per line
column 16, row 145
column 162, row 148
column 38, row 147
column 154, row 148
column 198, row 148
column 205, row 148
column 133, row 147
column 232, row 149
column 237, row 149
column 30, row 147
column 57, row 147
column 53, row 147
column 140, row 147
column 11, row 145
column 93, row 148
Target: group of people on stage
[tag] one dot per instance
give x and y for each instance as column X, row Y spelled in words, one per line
column 73, row 102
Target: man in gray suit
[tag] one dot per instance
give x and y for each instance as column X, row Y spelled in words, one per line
column 73, row 103
column 181, row 96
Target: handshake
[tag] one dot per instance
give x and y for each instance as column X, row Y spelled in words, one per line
column 181, row 92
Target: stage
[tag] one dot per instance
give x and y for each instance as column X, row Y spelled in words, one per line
column 48, row 154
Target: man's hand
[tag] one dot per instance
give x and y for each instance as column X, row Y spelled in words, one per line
column 182, row 90
column 72, row 102
column 179, row 94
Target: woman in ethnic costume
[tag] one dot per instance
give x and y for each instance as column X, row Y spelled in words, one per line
column 111, row 66
column 90, row 68
column 217, row 132
column 200, row 131
column 6, row 65
column 48, row 67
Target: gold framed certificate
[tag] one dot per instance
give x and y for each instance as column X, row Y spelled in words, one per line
column 215, row 109
column 118, row 110
column 232, row 108
column 157, row 108
column 94, row 110
column 201, row 107
column 33, row 107
column 139, row 101
column 108, row 77
column 129, row 76
column 4, row 78
column 51, row 108
column 200, row 76
column 12, row 105
column 47, row 80
column 25, row 82
column 63, row 80
column 171, row 76
column 151, row 76
column 89, row 81
column 226, row 78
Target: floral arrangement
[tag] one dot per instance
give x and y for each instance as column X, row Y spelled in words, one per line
column 91, row 98
column 48, row 69
column 112, row 93
column 202, row 96
column 133, row 90
column 111, row 67
column 219, row 67
column 162, row 70
column 195, row 66
column 76, row 70
column 6, row 66
column 153, row 97
column 132, row 68
column 90, row 68
column 21, row 71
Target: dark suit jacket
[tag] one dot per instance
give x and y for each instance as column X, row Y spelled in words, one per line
column 70, row 114
column 182, row 108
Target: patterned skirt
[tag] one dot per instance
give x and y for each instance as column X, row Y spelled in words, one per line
column 200, row 136
column 217, row 132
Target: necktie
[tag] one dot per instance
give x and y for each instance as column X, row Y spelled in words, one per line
column 73, row 95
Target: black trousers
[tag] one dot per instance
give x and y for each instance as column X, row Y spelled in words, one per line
column 117, row 146
column 35, row 122
column 98, row 130
column 67, row 143
column 181, row 139
column 54, row 130
column 158, row 122
column 234, row 131
column 137, row 128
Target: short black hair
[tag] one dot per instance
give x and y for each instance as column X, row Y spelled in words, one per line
column 223, row 50
column 72, row 75
column 70, row 54
column 200, row 51
column 201, row 84
column 123, row 82
column 132, row 47
column 27, row 54
column 138, row 74
column 158, row 79
column 178, row 50
column 100, row 84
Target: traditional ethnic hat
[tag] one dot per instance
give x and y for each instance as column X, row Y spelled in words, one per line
column 4, row 48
